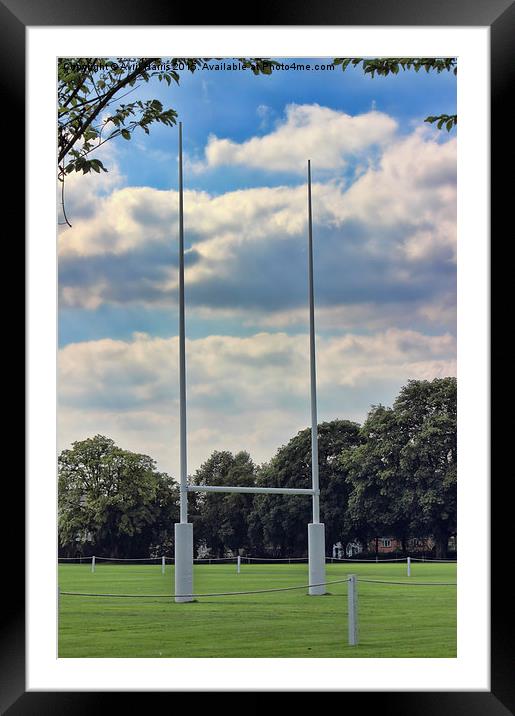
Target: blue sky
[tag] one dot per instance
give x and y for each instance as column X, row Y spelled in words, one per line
column 384, row 192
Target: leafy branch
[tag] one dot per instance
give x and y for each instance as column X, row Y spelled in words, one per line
column 90, row 88
column 383, row 66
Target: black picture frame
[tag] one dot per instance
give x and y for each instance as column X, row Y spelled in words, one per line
column 499, row 16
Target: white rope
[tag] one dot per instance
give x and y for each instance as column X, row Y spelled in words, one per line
column 422, row 559
column 78, row 560
column 258, row 591
column 357, row 559
column 128, row 559
column 204, row 594
column 409, row 584
column 214, row 559
column 276, row 559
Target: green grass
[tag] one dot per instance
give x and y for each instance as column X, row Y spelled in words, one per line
column 394, row 620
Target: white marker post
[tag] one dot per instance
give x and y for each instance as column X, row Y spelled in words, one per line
column 238, row 565
column 183, row 529
column 93, row 563
column 352, row 602
column 163, row 564
column 316, row 530
column 409, row 566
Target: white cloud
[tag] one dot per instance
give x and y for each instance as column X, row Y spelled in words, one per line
column 265, row 113
column 441, row 310
column 82, row 192
column 385, row 243
column 116, row 227
column 384, row 265
column 243, row 393
column 326, row 136
column 413, row 185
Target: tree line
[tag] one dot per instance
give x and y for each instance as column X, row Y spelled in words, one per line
column 393, row 476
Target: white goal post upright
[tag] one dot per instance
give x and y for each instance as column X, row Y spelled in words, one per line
column 316, row 529
column 183, row 529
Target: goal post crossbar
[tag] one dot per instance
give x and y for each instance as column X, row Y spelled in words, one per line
column 252, row 490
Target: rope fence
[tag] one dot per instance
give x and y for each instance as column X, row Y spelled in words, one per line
column 210, row 594
column 259, row 591
column 239, row 560
column 248, row 559
column 352, row 596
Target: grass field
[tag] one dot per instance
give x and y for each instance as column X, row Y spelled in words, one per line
column 394, row 620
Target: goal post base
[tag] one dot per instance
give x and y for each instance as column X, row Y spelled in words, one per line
column 316, row 556
column 183, row 562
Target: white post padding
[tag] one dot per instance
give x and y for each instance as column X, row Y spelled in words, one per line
column 183, row 561
column 352, row 601
column 316, row 555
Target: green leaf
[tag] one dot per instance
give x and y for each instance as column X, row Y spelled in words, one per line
column 126, row 134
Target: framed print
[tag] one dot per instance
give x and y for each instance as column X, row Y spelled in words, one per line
column 386, row 335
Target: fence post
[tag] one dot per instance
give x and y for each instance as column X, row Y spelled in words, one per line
column 163, row 564
column 409, row 566
column 238, row 564
column 352, row 602
column 93, row 563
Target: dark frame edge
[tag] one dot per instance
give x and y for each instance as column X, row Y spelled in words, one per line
column 502, row 34
column 12, row 81
column 501, row 700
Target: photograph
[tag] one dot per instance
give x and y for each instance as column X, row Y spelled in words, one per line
column 257, row 383
column 258, row 273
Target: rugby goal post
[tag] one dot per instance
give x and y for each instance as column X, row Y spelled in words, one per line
column 184, row 529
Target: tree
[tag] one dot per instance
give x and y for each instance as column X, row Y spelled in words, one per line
column 90, row 111
column 403, row 475
column 221, row 520
column 158, row 537
column 279, row 522
column 396, row 475
column 377, row 500
column 112, row 500
column 383, row 66
column 427, row 418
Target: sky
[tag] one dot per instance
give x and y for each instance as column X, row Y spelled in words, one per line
column 384, row 232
